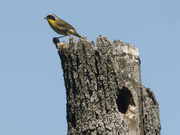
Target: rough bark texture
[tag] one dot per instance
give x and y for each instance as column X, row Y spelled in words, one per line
column 104, row 91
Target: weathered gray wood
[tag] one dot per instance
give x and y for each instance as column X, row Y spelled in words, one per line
column 104, row 91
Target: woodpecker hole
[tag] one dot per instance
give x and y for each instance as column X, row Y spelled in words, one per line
column 125, row 103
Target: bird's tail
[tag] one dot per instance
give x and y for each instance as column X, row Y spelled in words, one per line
column 73, row 32
column 76, row 34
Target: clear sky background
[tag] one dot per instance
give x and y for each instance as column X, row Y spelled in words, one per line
column 32, row 91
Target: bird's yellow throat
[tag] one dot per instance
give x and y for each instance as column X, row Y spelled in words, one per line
column 51, row 22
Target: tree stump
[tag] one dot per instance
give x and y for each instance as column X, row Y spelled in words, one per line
column 104, row 91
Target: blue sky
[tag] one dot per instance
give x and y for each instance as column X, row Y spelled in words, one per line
column 32, row 91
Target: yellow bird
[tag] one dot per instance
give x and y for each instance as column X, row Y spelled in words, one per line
column 61, row 27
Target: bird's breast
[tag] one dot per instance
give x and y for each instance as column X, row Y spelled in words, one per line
column 56, row 28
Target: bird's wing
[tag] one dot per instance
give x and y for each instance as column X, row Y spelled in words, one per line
column 62, row 23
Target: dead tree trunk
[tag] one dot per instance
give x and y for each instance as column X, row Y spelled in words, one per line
column 104, row 91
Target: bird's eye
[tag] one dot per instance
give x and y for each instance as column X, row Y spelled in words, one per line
column 51, row 17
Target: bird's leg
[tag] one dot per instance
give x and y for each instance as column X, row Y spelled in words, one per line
column 67, row 38
column 57, row 38
column 61, row 36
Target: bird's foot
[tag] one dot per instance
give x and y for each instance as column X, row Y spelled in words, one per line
column 58, row 44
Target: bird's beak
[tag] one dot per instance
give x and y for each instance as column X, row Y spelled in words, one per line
column 45, row 18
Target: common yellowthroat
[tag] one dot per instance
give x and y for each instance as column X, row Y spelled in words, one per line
column 61, row 27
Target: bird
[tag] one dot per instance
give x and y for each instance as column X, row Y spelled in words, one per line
column 61, row 27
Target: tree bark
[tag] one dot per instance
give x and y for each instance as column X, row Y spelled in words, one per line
column 104, row 91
